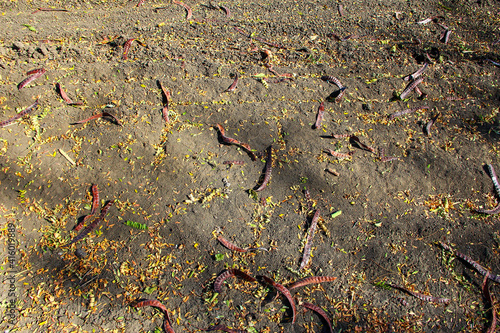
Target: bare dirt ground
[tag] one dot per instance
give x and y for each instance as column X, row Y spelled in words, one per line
column 173, row 194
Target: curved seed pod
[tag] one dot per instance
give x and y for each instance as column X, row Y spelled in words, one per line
column 232, row 87
column 225, row 138
column 126, row 48
column 319, row 311
column 230, row 245
column 226, row 10
column 446, row 36
column 426, row 298
column 236, row 248
column 268, row 169
column 495, row 210
column 362, row 145
column 95, row 204
column 36, row 74
column 93, row 225
column 35, row 71
column 493, row 176
column 341, row 136
column 232, row 141
column 166, row 324
column 311, row 280
column 19, row 115
column 480, row 269
column 308, row 246
column 319, row 116
column 234, row 162
column 166, row 93
column 63, row 94
column 100, row 115
column 230, row 273
column 410, row 87
column 221, row 130
column 400, row 113
column 384, row 158
column 339, row 155
column 284, row 291
column 415, row 75
column 341, row 94
column 189, row 11
column 333, row 80
column 429, row 125
column 150, row 302
column 489, row 304
column 157, row 304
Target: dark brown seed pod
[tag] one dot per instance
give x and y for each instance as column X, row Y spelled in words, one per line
column 310, row 235
column 93, row 225
column 268, row 169
column 166, row 94
column 284, row 291
column 95, row 205
column 319, row 311
column 63, row 94
column 232, row 141
column 361, row 145
column 226, row 10
column 19, row 115
column 429, row 125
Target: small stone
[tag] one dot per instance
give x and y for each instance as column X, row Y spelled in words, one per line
column 31, row 51
column 18, row 45
column 80, row 253
column 43, row 50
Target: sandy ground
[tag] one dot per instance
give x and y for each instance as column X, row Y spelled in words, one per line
column 170, row 194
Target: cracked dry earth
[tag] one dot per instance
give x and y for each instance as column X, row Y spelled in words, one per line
column 381, row 218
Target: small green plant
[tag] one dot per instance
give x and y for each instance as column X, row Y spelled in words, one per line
column 382, row 284
column 136, row 225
